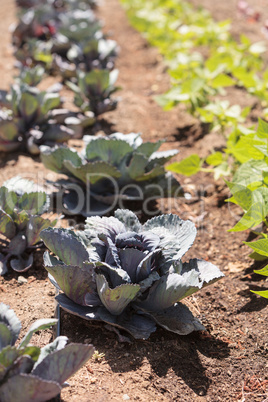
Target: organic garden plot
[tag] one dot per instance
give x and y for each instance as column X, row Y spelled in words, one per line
column 226, row 363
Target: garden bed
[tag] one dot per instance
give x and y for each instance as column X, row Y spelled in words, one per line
column 229, row 362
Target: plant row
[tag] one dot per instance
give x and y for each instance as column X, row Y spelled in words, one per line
column 69, row 34
column 203, row 60
column 198, row 77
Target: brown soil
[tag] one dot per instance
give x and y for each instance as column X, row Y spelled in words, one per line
column 229, row 362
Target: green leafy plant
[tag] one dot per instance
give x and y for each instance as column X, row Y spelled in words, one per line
column 127, row 274
column 21, row 207
column 94, row 89
column 30, row 373
column 28, row 123
column 31, row 76
column 221, row 115
column 179, row 29
column 109, row 171
column 96, row 53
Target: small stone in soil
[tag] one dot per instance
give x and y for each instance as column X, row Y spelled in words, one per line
column 126, row 397
column 21, row 279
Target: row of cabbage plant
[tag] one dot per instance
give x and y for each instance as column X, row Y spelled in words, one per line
column 115, row 270
column 31, row 117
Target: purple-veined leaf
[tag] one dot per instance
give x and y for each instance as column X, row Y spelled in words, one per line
column 43, row 323
column 139, row 326
column 34, row 227
column 60, row 365
column 21, row 264
column 117, row 299
column 208, row 273
column 66, row 245
column 34, row 389
column 162, row 157
column 144, row 241
column 74, row 281
column 59, row 343
column 8, row 133
column 170, row 289
column 28, row 106
column 9, row 318
column 107, row 226
column 23, row 364
column 137, row 166
column 176, row 235
column 115, row 275
column 178, row 319
column 111, row 257
column 130, row 259
column 9, row 146
column 152, row 174
column 147, row 265
column 33, row 202
column 21, row 219
column 5, row 336
column 7, row 226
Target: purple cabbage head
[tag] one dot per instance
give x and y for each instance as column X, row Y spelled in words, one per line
column 127, row 274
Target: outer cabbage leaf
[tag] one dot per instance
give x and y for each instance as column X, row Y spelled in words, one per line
column 66, row 245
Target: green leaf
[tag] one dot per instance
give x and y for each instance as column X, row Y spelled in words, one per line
column 107, row 150
column 7, row 226
column 247, row 148
column 263, row 271
column 257, row 257
column 253, row 217
column 8, row 200
column 33, row 202
column 262, row 130
column 28, row 105
column 92, row 172
column 148, row 148
column 187, row 166
column 215, row 159
column 250, row 172
column 9, row 131
column 260, row 246
column 54, row 159
column 137, row 165
column 222, row 80
column 222, row 170
column 262, row 293
column 50, row 101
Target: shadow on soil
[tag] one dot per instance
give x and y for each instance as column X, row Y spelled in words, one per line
column 191, row 133
column 255, row 303
column 166, row 353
